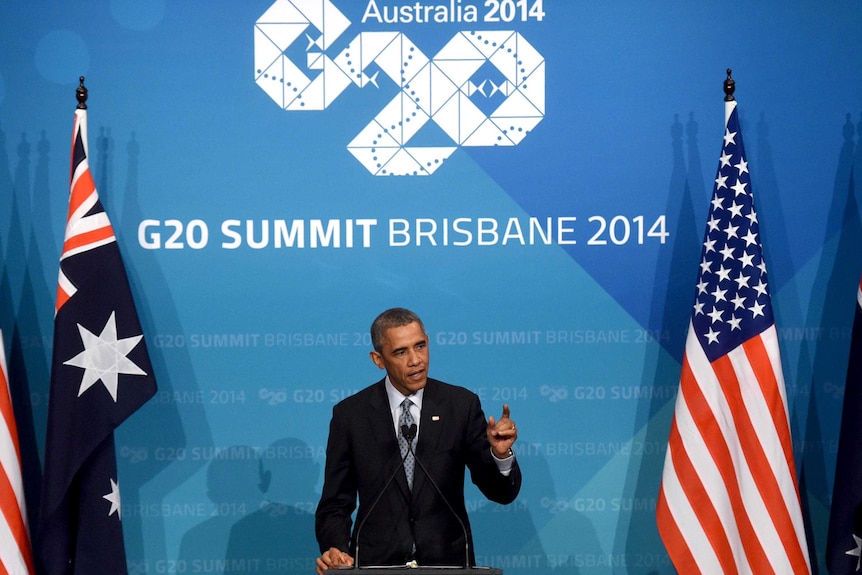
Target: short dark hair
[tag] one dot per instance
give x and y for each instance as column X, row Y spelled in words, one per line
column 393, row 317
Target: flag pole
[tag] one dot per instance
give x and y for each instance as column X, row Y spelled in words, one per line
column 81, row 94
column 729, row 100
column 729, row 86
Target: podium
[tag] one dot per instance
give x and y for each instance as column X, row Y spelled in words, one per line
column 402, row 570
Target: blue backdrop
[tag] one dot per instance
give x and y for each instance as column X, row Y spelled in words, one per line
column 546, row 226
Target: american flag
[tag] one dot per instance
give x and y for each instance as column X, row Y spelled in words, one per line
column 100, row 375
column 844, row 544
column 15, row 553
column 729, row 499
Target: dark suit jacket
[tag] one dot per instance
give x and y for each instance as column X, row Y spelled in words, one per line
column 362, row 453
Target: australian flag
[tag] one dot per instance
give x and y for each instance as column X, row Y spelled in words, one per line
column 844, row 545
column 100, row 374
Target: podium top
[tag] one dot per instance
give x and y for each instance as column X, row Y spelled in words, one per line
column 402, row 570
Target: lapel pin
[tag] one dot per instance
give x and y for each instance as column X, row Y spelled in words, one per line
column 435, row 418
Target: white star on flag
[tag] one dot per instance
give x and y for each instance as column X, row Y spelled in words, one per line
column 105, row 357
column 856, row 551
column 114, row 498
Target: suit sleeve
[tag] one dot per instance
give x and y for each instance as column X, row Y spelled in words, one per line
column 338, row 499
column 484, row 472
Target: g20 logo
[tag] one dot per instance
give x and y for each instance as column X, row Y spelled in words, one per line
column 481, row 89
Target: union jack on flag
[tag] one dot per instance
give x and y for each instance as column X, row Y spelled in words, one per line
column 729, row 500
column 86, row 227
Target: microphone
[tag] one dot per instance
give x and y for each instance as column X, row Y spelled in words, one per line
column 412, row 431
column 409, row 434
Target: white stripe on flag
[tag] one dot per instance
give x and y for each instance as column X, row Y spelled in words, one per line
column 10, row 464
column 699, row 452
column 75, row 219
column 697, row 449
column 687, row 521
column 11, row 556
column 86, row 247
column 9, row 458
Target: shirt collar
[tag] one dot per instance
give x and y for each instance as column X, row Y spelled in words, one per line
column 396, row 397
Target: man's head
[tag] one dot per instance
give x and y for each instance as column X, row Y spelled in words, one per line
column 401, row 348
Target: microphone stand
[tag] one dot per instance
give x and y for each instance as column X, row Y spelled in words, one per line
column 412, row 431
column 409, row 437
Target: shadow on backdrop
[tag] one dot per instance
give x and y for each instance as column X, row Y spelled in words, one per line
column 165, row 424
column 234, row 486
column 565, row 525
column 830, row 313
column 673, row 293
column 790, row 315
column 279, row 537
column 505, row 536
column 517, row 538
column 26, row 299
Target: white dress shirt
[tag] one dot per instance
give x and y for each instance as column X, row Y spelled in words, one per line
column 396, row 398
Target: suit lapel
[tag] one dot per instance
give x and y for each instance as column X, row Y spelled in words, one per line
column 383, row 433
column 431, row 428
column 379, row 417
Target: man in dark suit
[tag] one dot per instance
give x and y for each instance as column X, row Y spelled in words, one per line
column 409, row 525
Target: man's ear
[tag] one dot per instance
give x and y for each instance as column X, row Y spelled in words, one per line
column 377, row 359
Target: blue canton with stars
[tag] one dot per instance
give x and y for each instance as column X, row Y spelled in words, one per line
column 732, row 301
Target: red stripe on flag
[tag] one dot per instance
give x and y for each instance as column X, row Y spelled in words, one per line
column 6, row 409
column 81, row 189
column 720, row 452
column 90, row 237
column 11, row 508
column 62, row 298
column 700, row 501
column 758, row 357
column 758, row 462
column 679, row 552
